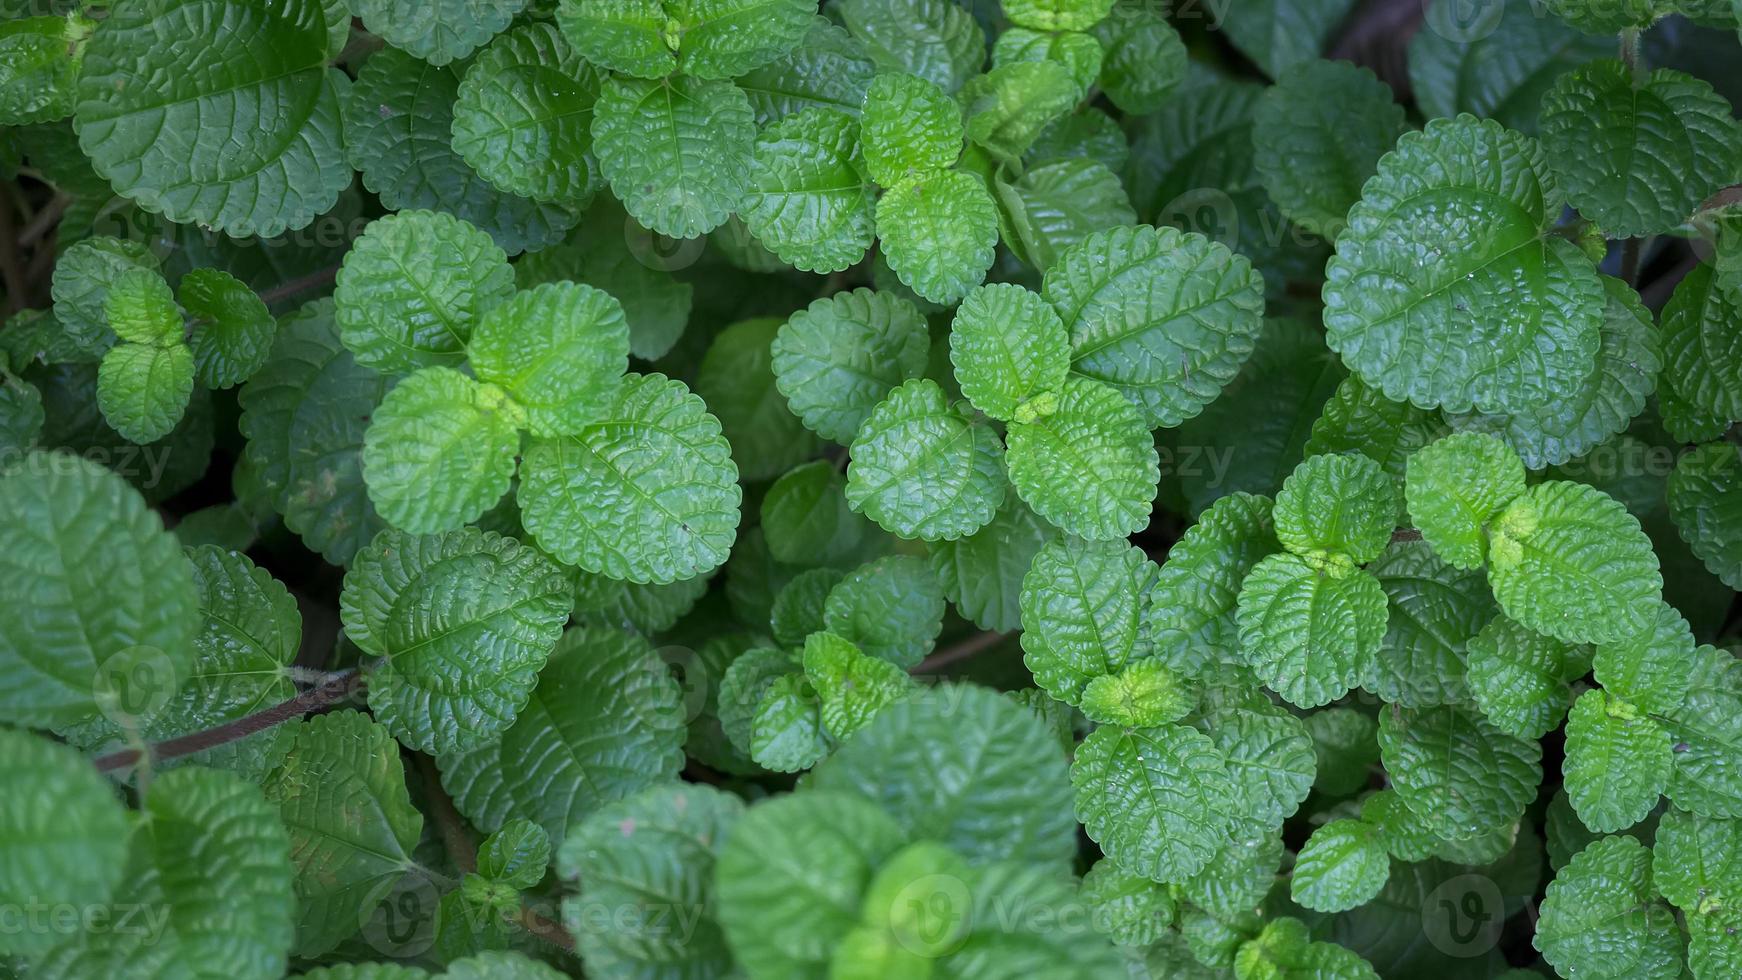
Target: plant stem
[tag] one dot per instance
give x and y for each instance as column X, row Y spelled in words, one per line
column 11, row 270
column 977, row 643
column 286, row 290
column 44, row 220
column 462, row 850
column 1630, row 52
column 1630, row 249
column 1405, row 534
column 334, row 688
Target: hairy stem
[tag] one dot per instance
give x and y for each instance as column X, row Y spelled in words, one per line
column 44, row 221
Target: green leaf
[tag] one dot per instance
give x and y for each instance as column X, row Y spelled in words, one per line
column 278, row 162
column 140, row 308
column 1150, row 798
column 1617, row 764
column 1009, row 106
column 851, row 686
column 892, row 608
column 807, row 198
column 1433, row 612
column 1706, row 731
column 1600, row 918
column 439, row 33
column 1127, row 908
column 1696, row 862
column 465, row 621
column 1345, row 746
column 1166, row 317
column 605, row 721
column 1308, row 631
column 836, row 359
column 1336, row 506
column 938, row 232
column 651, row 852
column 305, row 415
column 1358, row 419
column 1285, row 950
column 798, row 606
column 967, row 767
column 1455, row 489
column 1505, row 319
column 341, row 792
column 911, row 128
column 212, row 862
column 648, row 609
column 83, row 275
column 1057, row 205
column 1192, row 607
column 676, row 151
column 40, row 58
column 414, row 286
column 87, row 575
column 1056, row 15
column 1637, row 154
column 1458, row 772
column 1269, row 755
column 439, row 452
column 65, row 836
column 1703, row 495
column 523, row 118
column 1276, row 34
column 1144, row 694
column 1079, row 53
column 646, row 491
column 828, row 69
column 1238, row 878
column 1496, row 61
column 937, row 40
column 786, row 733
column 1342, row 865
column 1145, row 58
column 399, row 132
column 1577, row 421
column 500, row 965
column 656, row 305
column 805, row 517
column 1700, row 389
column 742, row 687
column 922, row 468
column 1090, row 465
column 143, row 390
column 625, row 37
column 982, row 574
column 1009, row 349
column 1650, row 670
column 737, row 380
column 1519, row 677
column 780, row 917
column 1568, row 560
column 1317, row 135
column 1082, row 607
column 232, row 330
column 555, row 349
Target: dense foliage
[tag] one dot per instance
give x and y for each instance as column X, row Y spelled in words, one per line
column 893, row 490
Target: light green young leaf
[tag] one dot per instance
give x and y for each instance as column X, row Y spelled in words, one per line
column 828, row 69
column 1651, row 669
column 1145, row 58
column 341, row 792
column 65, row 835
column 737, row 380
column 1192, row 607
column 143, row 390
column 1706, row 730
column 1056, row 15
column 965, row 766
column 1342, row 865
column 556, row 349
column 1089, row 466
column 523, row 118
column 439, row 33
column 807, row 198
column 1568, row 560
column 465, row 621
column 1704, row 495
column 1611, row 16
column 780, row 917
column 280, row 161
column 399, row 131
column 646, row 491
column 1143, row 695
column 83, row 275
column 938, row 232
column 1505, row 319
column 91, row 586
column 892, row 608
column 851, row 686
column 1317, row 135
column 414, row 286
column 1151, row 797
column 1009, row 106
column 141, row 309
column 231, row 329
column 655, row 847
column 656, row 305
column 677, row 151
column 1336, row 506
column 911, row 128
column 1310, row 631
column 1618, row 762
column 836, row 359
column 922, row 468
column 742, row 687
column 1496, row 61
column 1010, row 352
column 1433, row 611
column 1637, row 154
column 1456, row 771
column 786, row 732
column 1082, row 613
column 1166, row 317
column 1600, row 918
column 1614, row 394
column 1285, row 950
column 1079, row 52
column 439, row 451
column 937, row 40
column 1455, row 489
column 1519, row 677
column 1057, row 205
column 983, row 572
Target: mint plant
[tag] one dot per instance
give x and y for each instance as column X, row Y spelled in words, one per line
column 871, row 490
